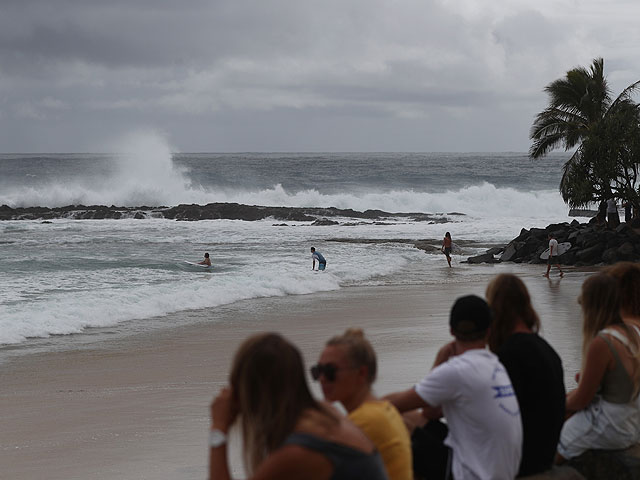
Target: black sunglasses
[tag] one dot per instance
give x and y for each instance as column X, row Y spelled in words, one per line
column 329, row 371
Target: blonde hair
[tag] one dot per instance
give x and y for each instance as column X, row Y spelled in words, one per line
column 628, row 275
column 269, row 387
column 600, row 300
column 359, row 351
column 509, row 300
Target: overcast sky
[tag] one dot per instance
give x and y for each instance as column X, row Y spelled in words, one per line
column 296, row 75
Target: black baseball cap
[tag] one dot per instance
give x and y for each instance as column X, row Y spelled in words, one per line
column 470, row 315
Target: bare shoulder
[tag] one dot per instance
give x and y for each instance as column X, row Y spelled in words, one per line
column 294, row 462
column 599, row 351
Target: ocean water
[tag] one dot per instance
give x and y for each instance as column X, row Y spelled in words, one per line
column 65, row 279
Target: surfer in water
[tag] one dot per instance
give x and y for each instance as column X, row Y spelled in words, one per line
column 322, row 263
column 206, row 261
column 446, row 247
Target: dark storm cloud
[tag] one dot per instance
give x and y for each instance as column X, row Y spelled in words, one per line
column 407, row 66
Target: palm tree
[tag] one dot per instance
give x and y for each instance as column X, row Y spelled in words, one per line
column 604, row 133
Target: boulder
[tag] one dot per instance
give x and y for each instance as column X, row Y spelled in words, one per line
column 609, row 464
column 323, row 222
column 509, row 253
column 590, row 255
column 562, row 472
column 484, row 258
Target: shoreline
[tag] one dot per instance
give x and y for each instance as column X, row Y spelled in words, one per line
column 138, row 406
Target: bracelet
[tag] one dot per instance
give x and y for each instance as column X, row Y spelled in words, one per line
column 217, row 438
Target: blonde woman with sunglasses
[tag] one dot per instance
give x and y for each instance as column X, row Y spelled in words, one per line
column 346, row 370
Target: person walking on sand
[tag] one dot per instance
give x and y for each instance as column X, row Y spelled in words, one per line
column 206, row 261
column 322, row 263
column 446, row 247
column 553, row 256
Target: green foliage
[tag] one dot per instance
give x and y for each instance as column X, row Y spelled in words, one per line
column 606, row 136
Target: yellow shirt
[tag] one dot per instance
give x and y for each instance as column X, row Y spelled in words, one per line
column 382, row 423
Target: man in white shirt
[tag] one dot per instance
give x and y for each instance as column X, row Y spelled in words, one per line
column 553, row 256
column 471, row 388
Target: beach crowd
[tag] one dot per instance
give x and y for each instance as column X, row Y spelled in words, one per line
column 492, row 406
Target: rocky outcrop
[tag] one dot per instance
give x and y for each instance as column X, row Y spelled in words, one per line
column 609, row 464
column 210, row 211
column 591, row 244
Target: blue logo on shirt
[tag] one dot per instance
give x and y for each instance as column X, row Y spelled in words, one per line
column 503, row 391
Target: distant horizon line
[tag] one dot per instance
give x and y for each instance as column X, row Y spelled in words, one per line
column 290, row 152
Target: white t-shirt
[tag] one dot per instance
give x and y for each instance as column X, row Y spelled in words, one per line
column 553, row 247
column 482, row 412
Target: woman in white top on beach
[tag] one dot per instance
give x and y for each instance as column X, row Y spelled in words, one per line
column 605, row 404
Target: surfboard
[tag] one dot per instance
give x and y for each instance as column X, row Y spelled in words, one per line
column 562, row 248
column 196, row 264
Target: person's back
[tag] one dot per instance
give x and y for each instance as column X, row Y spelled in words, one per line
column 350, row 453
column 382, row 423
column 535, row 370
column 482, row 413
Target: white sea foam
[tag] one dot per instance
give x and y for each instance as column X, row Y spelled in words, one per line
column 100, row 304
column 484, row 200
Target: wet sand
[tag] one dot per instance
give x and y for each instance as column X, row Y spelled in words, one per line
column 137, row 407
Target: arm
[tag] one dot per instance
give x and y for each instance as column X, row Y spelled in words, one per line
column 410, row 400
column 599, row 359
column 223, row 414
column 445, row 353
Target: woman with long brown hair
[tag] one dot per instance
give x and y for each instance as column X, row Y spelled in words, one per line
column 605, row 404
column 286, row 432
column 534, row 367
column 628, row 276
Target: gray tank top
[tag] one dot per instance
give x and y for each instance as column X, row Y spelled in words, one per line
column 617, row 385
column 348, row 463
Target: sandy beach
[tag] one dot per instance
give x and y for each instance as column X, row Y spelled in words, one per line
column 137, row 407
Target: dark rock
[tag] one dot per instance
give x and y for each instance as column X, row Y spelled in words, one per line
column 509, row 252
column 323, row 222
column 524, row 233
column 590, row 244
column 484, row 258
column 495, row 250
column 563, row 472
column 610, row 255
column 590, row 254
column 609, row 464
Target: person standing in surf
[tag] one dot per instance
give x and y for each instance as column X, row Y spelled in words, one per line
column 206, row 261
column 322, row 263
column 446, row 247
column 553, row 256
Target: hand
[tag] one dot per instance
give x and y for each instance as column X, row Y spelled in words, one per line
column 577, row 377
column 445, row 353
column 223, row 410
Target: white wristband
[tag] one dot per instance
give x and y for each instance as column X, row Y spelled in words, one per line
column 217, row 438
